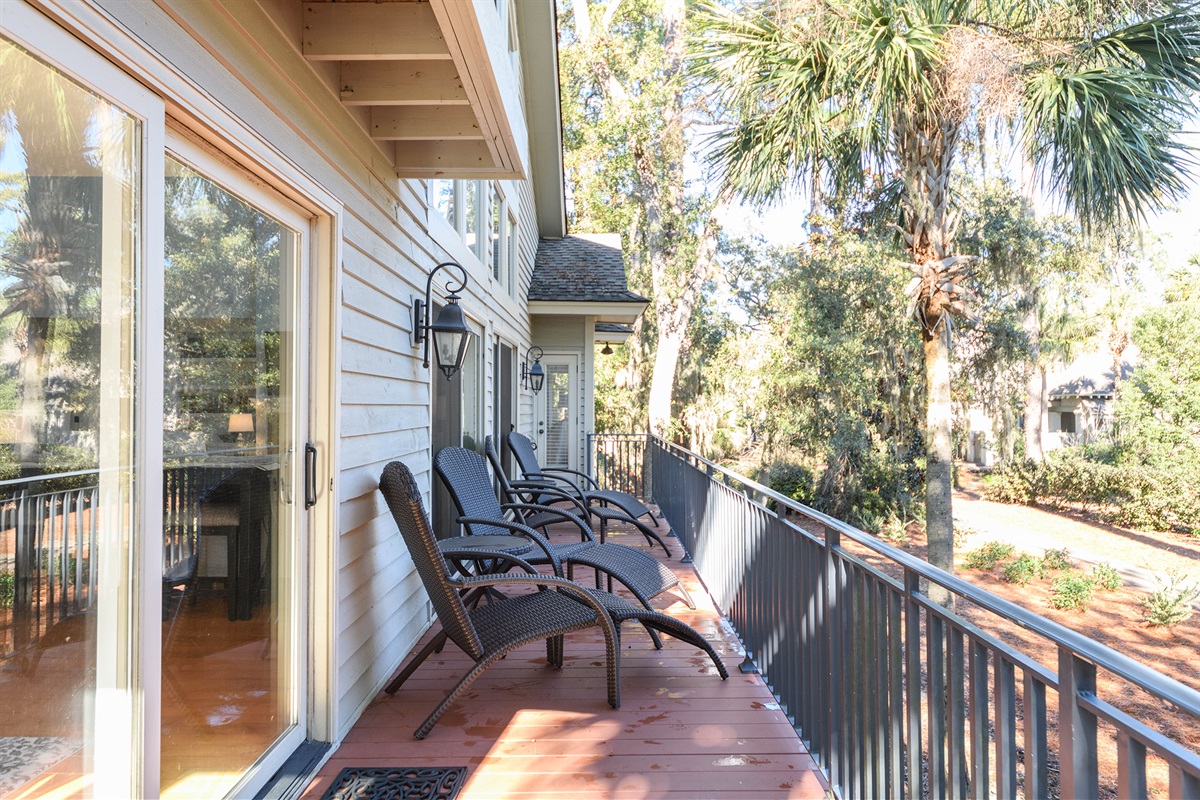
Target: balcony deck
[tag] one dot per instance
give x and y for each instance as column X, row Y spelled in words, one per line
column 526, row 731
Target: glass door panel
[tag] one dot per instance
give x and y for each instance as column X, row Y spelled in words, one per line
column 70, row 172
column 557, row 431
column 230, row 676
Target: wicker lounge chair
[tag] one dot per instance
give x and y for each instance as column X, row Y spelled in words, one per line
column 488, row 632
column 613, row 506
column 465, row 474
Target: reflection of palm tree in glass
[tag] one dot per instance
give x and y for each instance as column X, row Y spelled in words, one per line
column 51, row 256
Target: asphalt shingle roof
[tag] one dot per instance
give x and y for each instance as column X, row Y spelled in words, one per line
column 582, row 268
column 1090, row 375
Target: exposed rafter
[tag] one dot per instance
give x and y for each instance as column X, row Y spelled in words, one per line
column 434, row 77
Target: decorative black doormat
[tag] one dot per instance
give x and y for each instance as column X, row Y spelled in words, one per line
column 397, row 783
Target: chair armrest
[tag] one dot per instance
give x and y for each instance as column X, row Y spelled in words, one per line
column 546, row 581
column 554, row 489
column 519, row 530
column 587, row 479
column 585, row 530
column 478, row 553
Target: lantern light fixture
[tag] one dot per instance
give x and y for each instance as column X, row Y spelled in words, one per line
column 533, row 377
column 449, row 332
column 607, row 351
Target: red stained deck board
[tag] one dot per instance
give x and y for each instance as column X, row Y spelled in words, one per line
column 525, row 730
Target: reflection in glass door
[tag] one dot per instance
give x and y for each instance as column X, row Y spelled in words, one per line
column 230, row 663
column 70, row 172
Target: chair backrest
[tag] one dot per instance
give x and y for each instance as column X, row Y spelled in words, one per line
column 493, row 456
column 404, row 499
column 465, row 474
column 522, row 450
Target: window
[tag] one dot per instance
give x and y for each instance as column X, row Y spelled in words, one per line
column 441, row 198
column 471, row 215
column 495, row 234
column 510, row 238
column 1067, row 422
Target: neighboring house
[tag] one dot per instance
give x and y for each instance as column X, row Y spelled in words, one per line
column 255, row 195
column 1080, row 400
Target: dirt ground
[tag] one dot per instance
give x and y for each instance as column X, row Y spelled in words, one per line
column 1115, row 618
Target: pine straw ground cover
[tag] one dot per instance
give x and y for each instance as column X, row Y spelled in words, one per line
column 1115, row 618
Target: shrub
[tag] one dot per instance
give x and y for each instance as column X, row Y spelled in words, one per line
column 962, row 533
column 1073, row 590
column 1107, row 577
column 1012, row 483
column 791, row 480
column 7, row 589
column 1171, row 603
column 988, row 556
column 1024, row 569
column 1143, row 495
column 1057, row 559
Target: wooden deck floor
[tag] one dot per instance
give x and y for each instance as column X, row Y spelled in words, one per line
column 525, row 730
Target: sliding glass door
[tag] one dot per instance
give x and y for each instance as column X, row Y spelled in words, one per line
column 70, row 203
column 232, row 356
column 153, row 402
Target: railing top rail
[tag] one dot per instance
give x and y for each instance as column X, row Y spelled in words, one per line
column 1103, row 656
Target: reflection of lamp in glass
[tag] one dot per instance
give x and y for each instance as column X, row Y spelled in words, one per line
column 241, row 424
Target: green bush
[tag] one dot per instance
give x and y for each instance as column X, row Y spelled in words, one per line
column 790, row 480
column 7, row 589
column 1057, row 559
column 1154, row 497
column 1073, row 590
column 1024, row 569
column 988, row 556
column 1171, row 603
column 1107, row 577
column 1014, row 483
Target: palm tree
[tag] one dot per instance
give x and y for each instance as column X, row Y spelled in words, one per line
column 829, row 89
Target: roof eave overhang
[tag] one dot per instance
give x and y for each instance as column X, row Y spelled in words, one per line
column 624, row 312
column 537, row 29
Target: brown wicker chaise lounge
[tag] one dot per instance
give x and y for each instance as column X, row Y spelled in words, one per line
column 465, row 474
column 605, row 505
column 488, row 632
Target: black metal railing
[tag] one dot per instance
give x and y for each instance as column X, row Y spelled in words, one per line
column 896, row 696
column 619, row 461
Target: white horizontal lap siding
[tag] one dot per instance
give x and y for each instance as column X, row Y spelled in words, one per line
column 233, row 53
column 527, row 251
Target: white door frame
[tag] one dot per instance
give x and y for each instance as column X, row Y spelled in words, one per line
column 574, row 422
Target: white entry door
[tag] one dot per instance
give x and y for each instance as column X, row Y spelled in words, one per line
column 558, row 412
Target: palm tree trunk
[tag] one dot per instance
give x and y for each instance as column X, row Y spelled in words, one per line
column 939, row 458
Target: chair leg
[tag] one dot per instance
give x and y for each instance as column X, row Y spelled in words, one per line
column 435, row 644
column 687, row 596
column 463, row 684
column 613, row 647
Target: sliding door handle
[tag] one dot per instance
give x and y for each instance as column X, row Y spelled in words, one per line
column 310, row 476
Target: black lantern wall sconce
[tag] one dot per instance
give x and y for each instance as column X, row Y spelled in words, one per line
column 533, row 377
column 449, row 331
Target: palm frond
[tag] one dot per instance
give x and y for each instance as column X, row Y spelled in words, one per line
column 1104, row 137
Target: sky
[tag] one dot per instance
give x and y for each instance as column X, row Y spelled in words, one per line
column 1177, row 231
